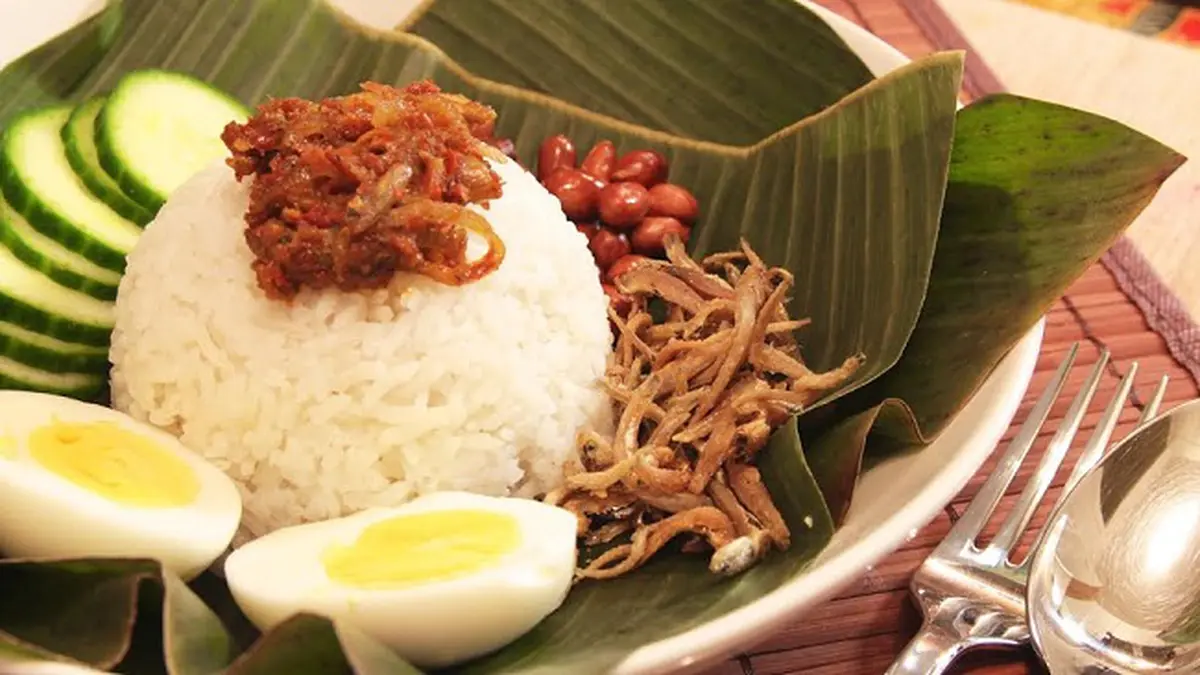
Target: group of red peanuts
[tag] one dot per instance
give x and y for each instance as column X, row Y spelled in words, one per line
column 623, row 205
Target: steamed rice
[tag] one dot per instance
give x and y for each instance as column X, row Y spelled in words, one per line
column 344, row 401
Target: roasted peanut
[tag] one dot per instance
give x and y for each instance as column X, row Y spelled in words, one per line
column 674, row 201
column 619, row 301
column 623, row 265
column 575, row 191
column 608, row 247
column 557, row 152
column 649, row 237
column 623, row 205
column 600, row 182
column 646, row 167
column 588, row 230
column 600, row 160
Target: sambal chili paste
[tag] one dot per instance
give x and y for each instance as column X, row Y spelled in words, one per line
column 349, row 191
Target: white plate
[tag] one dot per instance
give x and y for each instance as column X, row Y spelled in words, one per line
column 894, row 500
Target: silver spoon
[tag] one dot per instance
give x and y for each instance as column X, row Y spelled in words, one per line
column 1114, row 586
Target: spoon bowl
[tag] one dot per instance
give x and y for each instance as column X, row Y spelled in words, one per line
column 1114, row 586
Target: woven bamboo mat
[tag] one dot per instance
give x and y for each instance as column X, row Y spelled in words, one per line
column 861, row 631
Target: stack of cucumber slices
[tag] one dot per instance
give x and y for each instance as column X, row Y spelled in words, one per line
column 78, row 184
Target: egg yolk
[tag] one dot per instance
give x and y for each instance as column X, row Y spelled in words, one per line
column 422, row 547
column 115, row 463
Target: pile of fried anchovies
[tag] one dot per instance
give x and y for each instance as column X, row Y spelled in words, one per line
column 697, row 395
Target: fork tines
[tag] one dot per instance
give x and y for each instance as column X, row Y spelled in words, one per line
column 964, row 533
column 971, row 596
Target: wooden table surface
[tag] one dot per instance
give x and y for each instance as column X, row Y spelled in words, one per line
column 861, row 631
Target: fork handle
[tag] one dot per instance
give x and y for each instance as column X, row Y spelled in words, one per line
column 929, row 653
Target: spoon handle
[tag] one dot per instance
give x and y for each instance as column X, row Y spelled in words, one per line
column 929, row 653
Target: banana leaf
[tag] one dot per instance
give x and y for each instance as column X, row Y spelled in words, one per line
column 787, row 141
column 695, row 55
column 84, row 612
column 999, row 241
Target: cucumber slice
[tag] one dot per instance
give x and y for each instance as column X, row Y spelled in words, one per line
column 79, row 137
column 159, row 128
column 32, row 301
column 44, row 254
column 38, row 182
column 14, row 375
column 38, row 351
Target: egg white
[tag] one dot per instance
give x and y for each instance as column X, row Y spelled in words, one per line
column 430, row 624
column 44, row 515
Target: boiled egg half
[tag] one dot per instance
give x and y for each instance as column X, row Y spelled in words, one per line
column 82, row 480
column 442, row 579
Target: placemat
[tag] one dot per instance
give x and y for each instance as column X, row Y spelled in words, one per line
column 861, row 631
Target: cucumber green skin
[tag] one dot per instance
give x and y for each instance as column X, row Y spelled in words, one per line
column 129, row 181
column 61, row 275
column 86, row 393
column 43, row 218
column 50, row 360
column 143, row 194
column 87, row 172
column 41, row 321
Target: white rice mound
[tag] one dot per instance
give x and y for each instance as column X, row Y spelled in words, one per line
column 346, row 401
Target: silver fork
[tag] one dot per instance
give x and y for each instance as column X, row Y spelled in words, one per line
column 972, row 596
